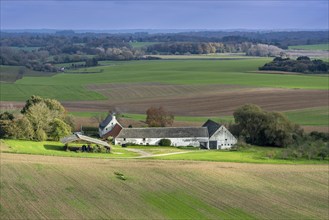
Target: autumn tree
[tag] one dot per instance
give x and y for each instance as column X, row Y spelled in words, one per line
column 159, row 117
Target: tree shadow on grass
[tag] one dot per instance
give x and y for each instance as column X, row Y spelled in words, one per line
column 53, row 147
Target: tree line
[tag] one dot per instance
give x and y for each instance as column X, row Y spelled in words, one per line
column 282, row 39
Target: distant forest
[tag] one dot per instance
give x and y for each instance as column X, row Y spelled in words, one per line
column 40, row 51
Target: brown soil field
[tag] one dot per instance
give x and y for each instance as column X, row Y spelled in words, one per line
column 192, row 100
column 196, row 100
column 46, row 187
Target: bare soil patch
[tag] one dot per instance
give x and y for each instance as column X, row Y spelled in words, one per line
column 198, row 100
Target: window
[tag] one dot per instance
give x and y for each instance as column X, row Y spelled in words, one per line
column 144, row 139
column 225, row 139
column 124, row 139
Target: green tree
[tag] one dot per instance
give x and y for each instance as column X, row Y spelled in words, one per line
column 43, row 115
column 250, row 119
column 6, row 119
column 59, row 129
column 259, row 127
column 24, row 129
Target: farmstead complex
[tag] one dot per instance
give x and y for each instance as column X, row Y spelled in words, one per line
column 210, row 136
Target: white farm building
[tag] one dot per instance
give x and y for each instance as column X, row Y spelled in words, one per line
column 210, row 136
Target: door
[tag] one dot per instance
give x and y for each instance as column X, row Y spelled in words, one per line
column 213, row 144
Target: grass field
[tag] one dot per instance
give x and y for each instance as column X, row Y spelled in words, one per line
column 318, row 116
column 11, row 73
column 142, row 44
column 184, row 72
column 311, row 116
column 229, row 72
column 39, row 187
column 249, row 155
column 21, row 92
column 51, row 148
column 311, row 47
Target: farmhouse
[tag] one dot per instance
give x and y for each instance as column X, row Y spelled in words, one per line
column 210, row 136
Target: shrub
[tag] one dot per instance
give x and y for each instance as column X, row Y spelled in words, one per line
column 165, row 142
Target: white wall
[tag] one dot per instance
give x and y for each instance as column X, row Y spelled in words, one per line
column 155, row 141
column 224, row 138
column 109, row 127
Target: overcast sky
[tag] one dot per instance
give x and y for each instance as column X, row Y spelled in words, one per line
column 160, row 14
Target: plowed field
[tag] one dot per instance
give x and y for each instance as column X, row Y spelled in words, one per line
column 198, row 100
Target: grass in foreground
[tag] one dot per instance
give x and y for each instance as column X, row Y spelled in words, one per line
column 52, row 148
column 261, row 155
column 264, row 155
column 35, row 187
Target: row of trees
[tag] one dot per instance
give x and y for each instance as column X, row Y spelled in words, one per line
column 249, row 48
column 40, row 119
column 302, row 64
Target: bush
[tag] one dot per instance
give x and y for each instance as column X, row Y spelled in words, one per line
column 164, row 142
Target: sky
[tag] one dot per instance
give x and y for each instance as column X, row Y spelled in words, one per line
column 162, row 14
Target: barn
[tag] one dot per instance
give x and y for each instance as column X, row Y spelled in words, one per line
column 188, row 136
column 210, row 136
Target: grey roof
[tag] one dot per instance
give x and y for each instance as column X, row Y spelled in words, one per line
column 163, row 132
column 211, row 126
column 75, row 137
column 106, row 121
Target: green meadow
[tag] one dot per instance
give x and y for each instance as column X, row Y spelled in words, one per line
column 252, row 154
column 229, row 72
column 311, row 47
column 310, row 116
column 53, row 148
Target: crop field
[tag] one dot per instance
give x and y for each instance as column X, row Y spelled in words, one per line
column 311, row 47
column 10, row 74
column 81, row 188
column 17, row 92
column 311, row 116
column 308, row 116
column 210, row 88
column 228, row 72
